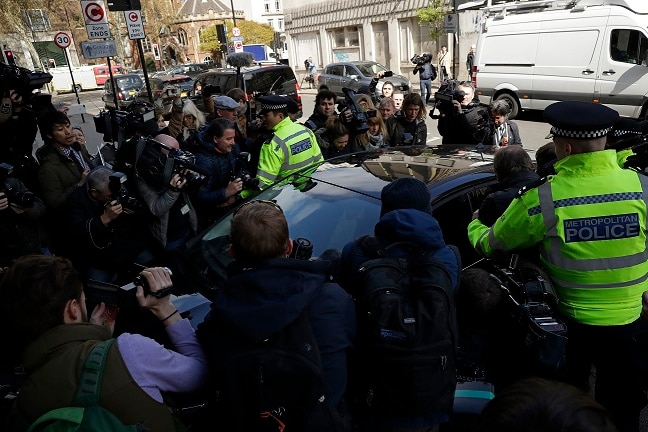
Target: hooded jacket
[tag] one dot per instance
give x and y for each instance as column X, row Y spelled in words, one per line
column 497, row 201
column 404, row 225
column 462, row 128
column 258, row 302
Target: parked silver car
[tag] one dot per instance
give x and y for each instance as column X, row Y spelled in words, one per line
column 357, row 74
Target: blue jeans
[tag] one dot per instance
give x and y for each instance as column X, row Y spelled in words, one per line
column 426, row 89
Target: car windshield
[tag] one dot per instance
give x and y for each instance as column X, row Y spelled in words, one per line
column 323, row 205
column 370, row 69
column 129, row 81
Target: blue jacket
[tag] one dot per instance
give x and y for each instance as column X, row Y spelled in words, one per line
column 220, row 167
column 260, row 301
column 406, row 225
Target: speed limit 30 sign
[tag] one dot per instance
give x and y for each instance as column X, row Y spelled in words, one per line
column 62, row 40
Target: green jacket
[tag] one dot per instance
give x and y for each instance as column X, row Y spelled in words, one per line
column 53, row 364
column 590, row 222
column 292, row 147
column 58, row 176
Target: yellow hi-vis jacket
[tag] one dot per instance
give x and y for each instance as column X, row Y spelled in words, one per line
column 292, row 147
column 590, row 222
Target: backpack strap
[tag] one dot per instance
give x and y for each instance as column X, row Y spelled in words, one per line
column 90, row 382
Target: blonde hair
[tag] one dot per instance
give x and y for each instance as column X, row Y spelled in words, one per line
column 190, row 108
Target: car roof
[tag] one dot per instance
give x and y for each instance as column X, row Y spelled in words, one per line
column 355, row 62
column 248, row 69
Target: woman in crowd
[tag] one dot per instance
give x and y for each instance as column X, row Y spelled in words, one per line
column 375, row 137
column 333, row 139
column 185, row 120
column 408, row 129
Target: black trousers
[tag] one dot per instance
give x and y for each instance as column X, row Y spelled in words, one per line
column 620, row 356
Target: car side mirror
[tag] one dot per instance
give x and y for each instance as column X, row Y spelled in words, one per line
column 354, row 77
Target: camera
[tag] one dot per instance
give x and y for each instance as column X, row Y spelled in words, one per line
column 359, row 117
column 156, row 168
column 448, row 92
column 388, row 74
column 302, row 249
column 23, row 199
column 22, row 80
column 242, row 171
column 114, row 295
column 119, row 193
column 117, row 125
column 419, row 59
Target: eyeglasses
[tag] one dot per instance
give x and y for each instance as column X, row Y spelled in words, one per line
column 267, row 202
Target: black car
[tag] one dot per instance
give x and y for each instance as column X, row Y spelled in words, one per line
column 164, row 89
column 275, row 79
column 128, row 87
column 342, row 201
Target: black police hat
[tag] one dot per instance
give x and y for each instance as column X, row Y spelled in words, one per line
column 273, row 103
column 580, row 120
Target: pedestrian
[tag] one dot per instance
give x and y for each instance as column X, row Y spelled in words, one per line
column 470, row 61
column 443, row 60
column 589, row 220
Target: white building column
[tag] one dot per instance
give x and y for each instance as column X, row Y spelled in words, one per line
column 394, row 45
column 367, row 50
column 325, row 54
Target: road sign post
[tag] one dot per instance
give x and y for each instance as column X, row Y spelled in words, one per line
column 134, row 24
column 96, row 19
column 63, row 40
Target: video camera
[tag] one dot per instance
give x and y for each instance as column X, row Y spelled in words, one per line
column 157, row 168
column 23, row 199
column 115, row 295
column 359, row 116
column 533, row 304
column 242, row 171
column 448, row 92
column 22, row 80
column 116, row 125
column 119, row 192
column 419, row 59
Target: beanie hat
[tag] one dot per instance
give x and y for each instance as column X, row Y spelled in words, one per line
column 405, row 193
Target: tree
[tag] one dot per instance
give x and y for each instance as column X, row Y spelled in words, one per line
column 433, row 15
column 251, row 31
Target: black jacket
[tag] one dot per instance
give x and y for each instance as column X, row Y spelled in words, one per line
column 497, row 201
column 462, row 128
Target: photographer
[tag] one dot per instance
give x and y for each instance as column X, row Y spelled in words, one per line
column 426, row 72
column 502, row 132
column 461, row 119
column 217, row 153
column 174, row 217
column 106, row 235
column 20, row 216
column 324, row 107
column 18, row 127
column 46, row 316
column 408, row 129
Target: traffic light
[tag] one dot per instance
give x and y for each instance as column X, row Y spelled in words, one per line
column 9, row 57
column 156, row 51
column 220, row 33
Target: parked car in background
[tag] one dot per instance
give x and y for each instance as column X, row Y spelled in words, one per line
column 275, row 79
column 127, row 87
column 357, row 74
column 164, row 89
column 192, row 70
column 102, row 73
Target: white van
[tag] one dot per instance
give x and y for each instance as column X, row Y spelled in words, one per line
column 534, row 53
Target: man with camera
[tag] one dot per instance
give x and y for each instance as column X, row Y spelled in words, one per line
column 107, row 229
column 324, row 108
column 20, row 215
column 461, row 117
column 217, row 154
column 267, row 290
column 427, row 73
column 174, row 218
column 45, row 314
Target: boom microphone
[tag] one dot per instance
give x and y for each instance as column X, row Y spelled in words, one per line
column 241, row 59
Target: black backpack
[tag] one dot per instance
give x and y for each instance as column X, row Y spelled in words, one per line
column 275, row 384
column 433, row 73
column 407, row 333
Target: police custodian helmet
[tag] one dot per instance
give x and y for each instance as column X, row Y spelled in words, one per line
column 580, row 120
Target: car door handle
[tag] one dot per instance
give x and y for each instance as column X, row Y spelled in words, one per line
column 588, row 72
column 609, row 72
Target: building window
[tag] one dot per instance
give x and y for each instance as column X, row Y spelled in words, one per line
column 200, row 34
column 37, row 20
column 280, row 24
column 271, row 23
column 267, row 5
column 146, row 45
column 182, row 36
column 346, row 37
column 277, row 6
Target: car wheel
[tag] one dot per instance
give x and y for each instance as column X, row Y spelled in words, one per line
column 77, row 88
column 513, row 103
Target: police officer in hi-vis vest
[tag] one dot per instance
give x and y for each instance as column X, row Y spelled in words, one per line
column 291, row 147
column 590, row 223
